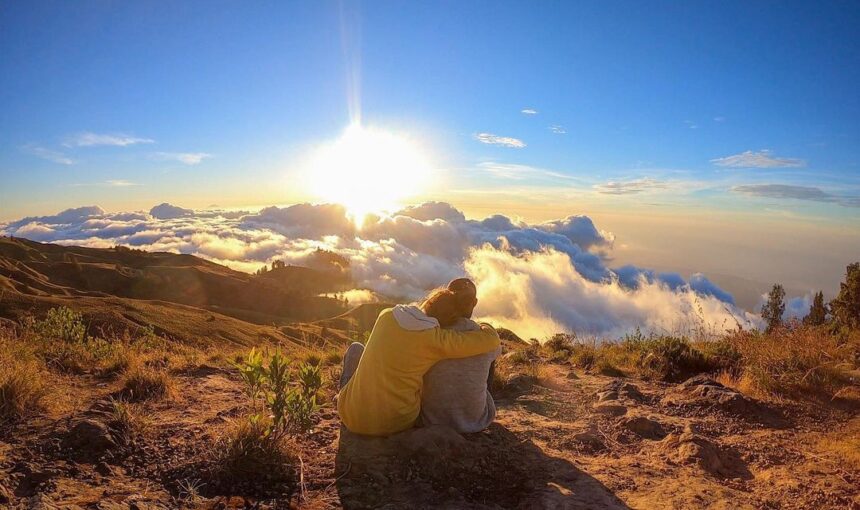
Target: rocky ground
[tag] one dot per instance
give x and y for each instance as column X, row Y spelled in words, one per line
column 574, row 440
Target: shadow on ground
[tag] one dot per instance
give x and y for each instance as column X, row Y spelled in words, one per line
column 434, row 467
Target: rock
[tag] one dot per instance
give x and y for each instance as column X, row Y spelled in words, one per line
column 605, row 396
column 432, row 441
column 104, row 469
column 90, row 438
column 107, row 504
column 33, row 477
column 619, row 389
column 693, row 449
column 702, row 391
column 5, row 495
column 644, row 427
column 631, row 391
column 610, row 409
column 41, row 502
column 590, row 439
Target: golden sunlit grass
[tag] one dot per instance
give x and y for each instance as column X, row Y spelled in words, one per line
column 22, row 387
column 791, row 361
column 368, row 170
column 148, row 384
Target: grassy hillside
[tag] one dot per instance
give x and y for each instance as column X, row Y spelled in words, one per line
column 36, row 273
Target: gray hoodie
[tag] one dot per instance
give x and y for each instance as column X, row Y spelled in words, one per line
column 455, row 390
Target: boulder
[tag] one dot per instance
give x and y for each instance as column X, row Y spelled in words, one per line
column 89, row 438
column 703, row 392
column 433, row 441
column 610, row 409
column 646, row 428
column 619, row 389
column 692, row 449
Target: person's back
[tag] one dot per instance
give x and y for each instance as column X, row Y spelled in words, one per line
column 383, row 396
column 455, row 391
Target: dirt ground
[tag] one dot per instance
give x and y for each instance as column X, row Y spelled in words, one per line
column 575, row 440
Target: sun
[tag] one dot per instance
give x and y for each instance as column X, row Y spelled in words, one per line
column 368, row 170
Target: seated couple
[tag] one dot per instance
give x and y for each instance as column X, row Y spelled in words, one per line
column 427, row 365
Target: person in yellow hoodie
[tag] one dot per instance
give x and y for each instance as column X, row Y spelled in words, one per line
column 381, row 384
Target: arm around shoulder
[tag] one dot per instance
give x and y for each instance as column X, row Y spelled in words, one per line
column 462, row 344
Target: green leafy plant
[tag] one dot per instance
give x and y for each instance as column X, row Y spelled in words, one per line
column 289, row 396
column 302, row 402
column 62, row 323
column 253, row 374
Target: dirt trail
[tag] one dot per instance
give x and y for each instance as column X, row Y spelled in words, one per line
column 573, row 441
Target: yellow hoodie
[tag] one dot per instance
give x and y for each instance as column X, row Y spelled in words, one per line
column 384, row 395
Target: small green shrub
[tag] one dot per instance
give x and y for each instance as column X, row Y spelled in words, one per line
column 333, row 357
column 584, row 356
column 560, row 342
column 302, row 402
column 665, row 358
column 62, row 323
column 288, row 405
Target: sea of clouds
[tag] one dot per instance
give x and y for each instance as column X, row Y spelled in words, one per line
column 536, row 279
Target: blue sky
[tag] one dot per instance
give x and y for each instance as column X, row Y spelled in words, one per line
column 740, row 107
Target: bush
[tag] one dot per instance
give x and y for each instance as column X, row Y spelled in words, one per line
column 793, row 361
column 63, row 324
column 289, row 406
column 584, row 356
column 665, row 358
column 560, row 342
column 124, row 423
column 333, row 357
column 147, row 384
column 248, row 455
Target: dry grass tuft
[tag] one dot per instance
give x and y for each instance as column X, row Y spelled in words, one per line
column 125, row 423
column 147, row 384
column 23, row 385
column 792, row 361
column 22, row 389
column 248, row 456
column 844, row 444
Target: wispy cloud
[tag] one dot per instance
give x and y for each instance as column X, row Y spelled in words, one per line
column 504, row 141
column 188, row 158
column 88, row 139
column 788, row 191
column 529, row 111
column 48, row 154
column 719, row 119
column 559, row 130
column 112, row 183
column 760, row 159
column 690, row 124
column 630, row 187
column 516, row 172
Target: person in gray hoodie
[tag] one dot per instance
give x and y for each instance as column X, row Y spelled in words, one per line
column 456, row 391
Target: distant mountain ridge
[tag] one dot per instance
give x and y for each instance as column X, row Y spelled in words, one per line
column 35, row 276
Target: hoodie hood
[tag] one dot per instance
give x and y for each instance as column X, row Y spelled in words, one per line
column 412, row 318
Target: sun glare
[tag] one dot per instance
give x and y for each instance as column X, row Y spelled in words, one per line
column 368, row 170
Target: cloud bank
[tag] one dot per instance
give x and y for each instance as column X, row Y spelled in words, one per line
column 537, row 279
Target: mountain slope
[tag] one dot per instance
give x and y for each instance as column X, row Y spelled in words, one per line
column 31, row 273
